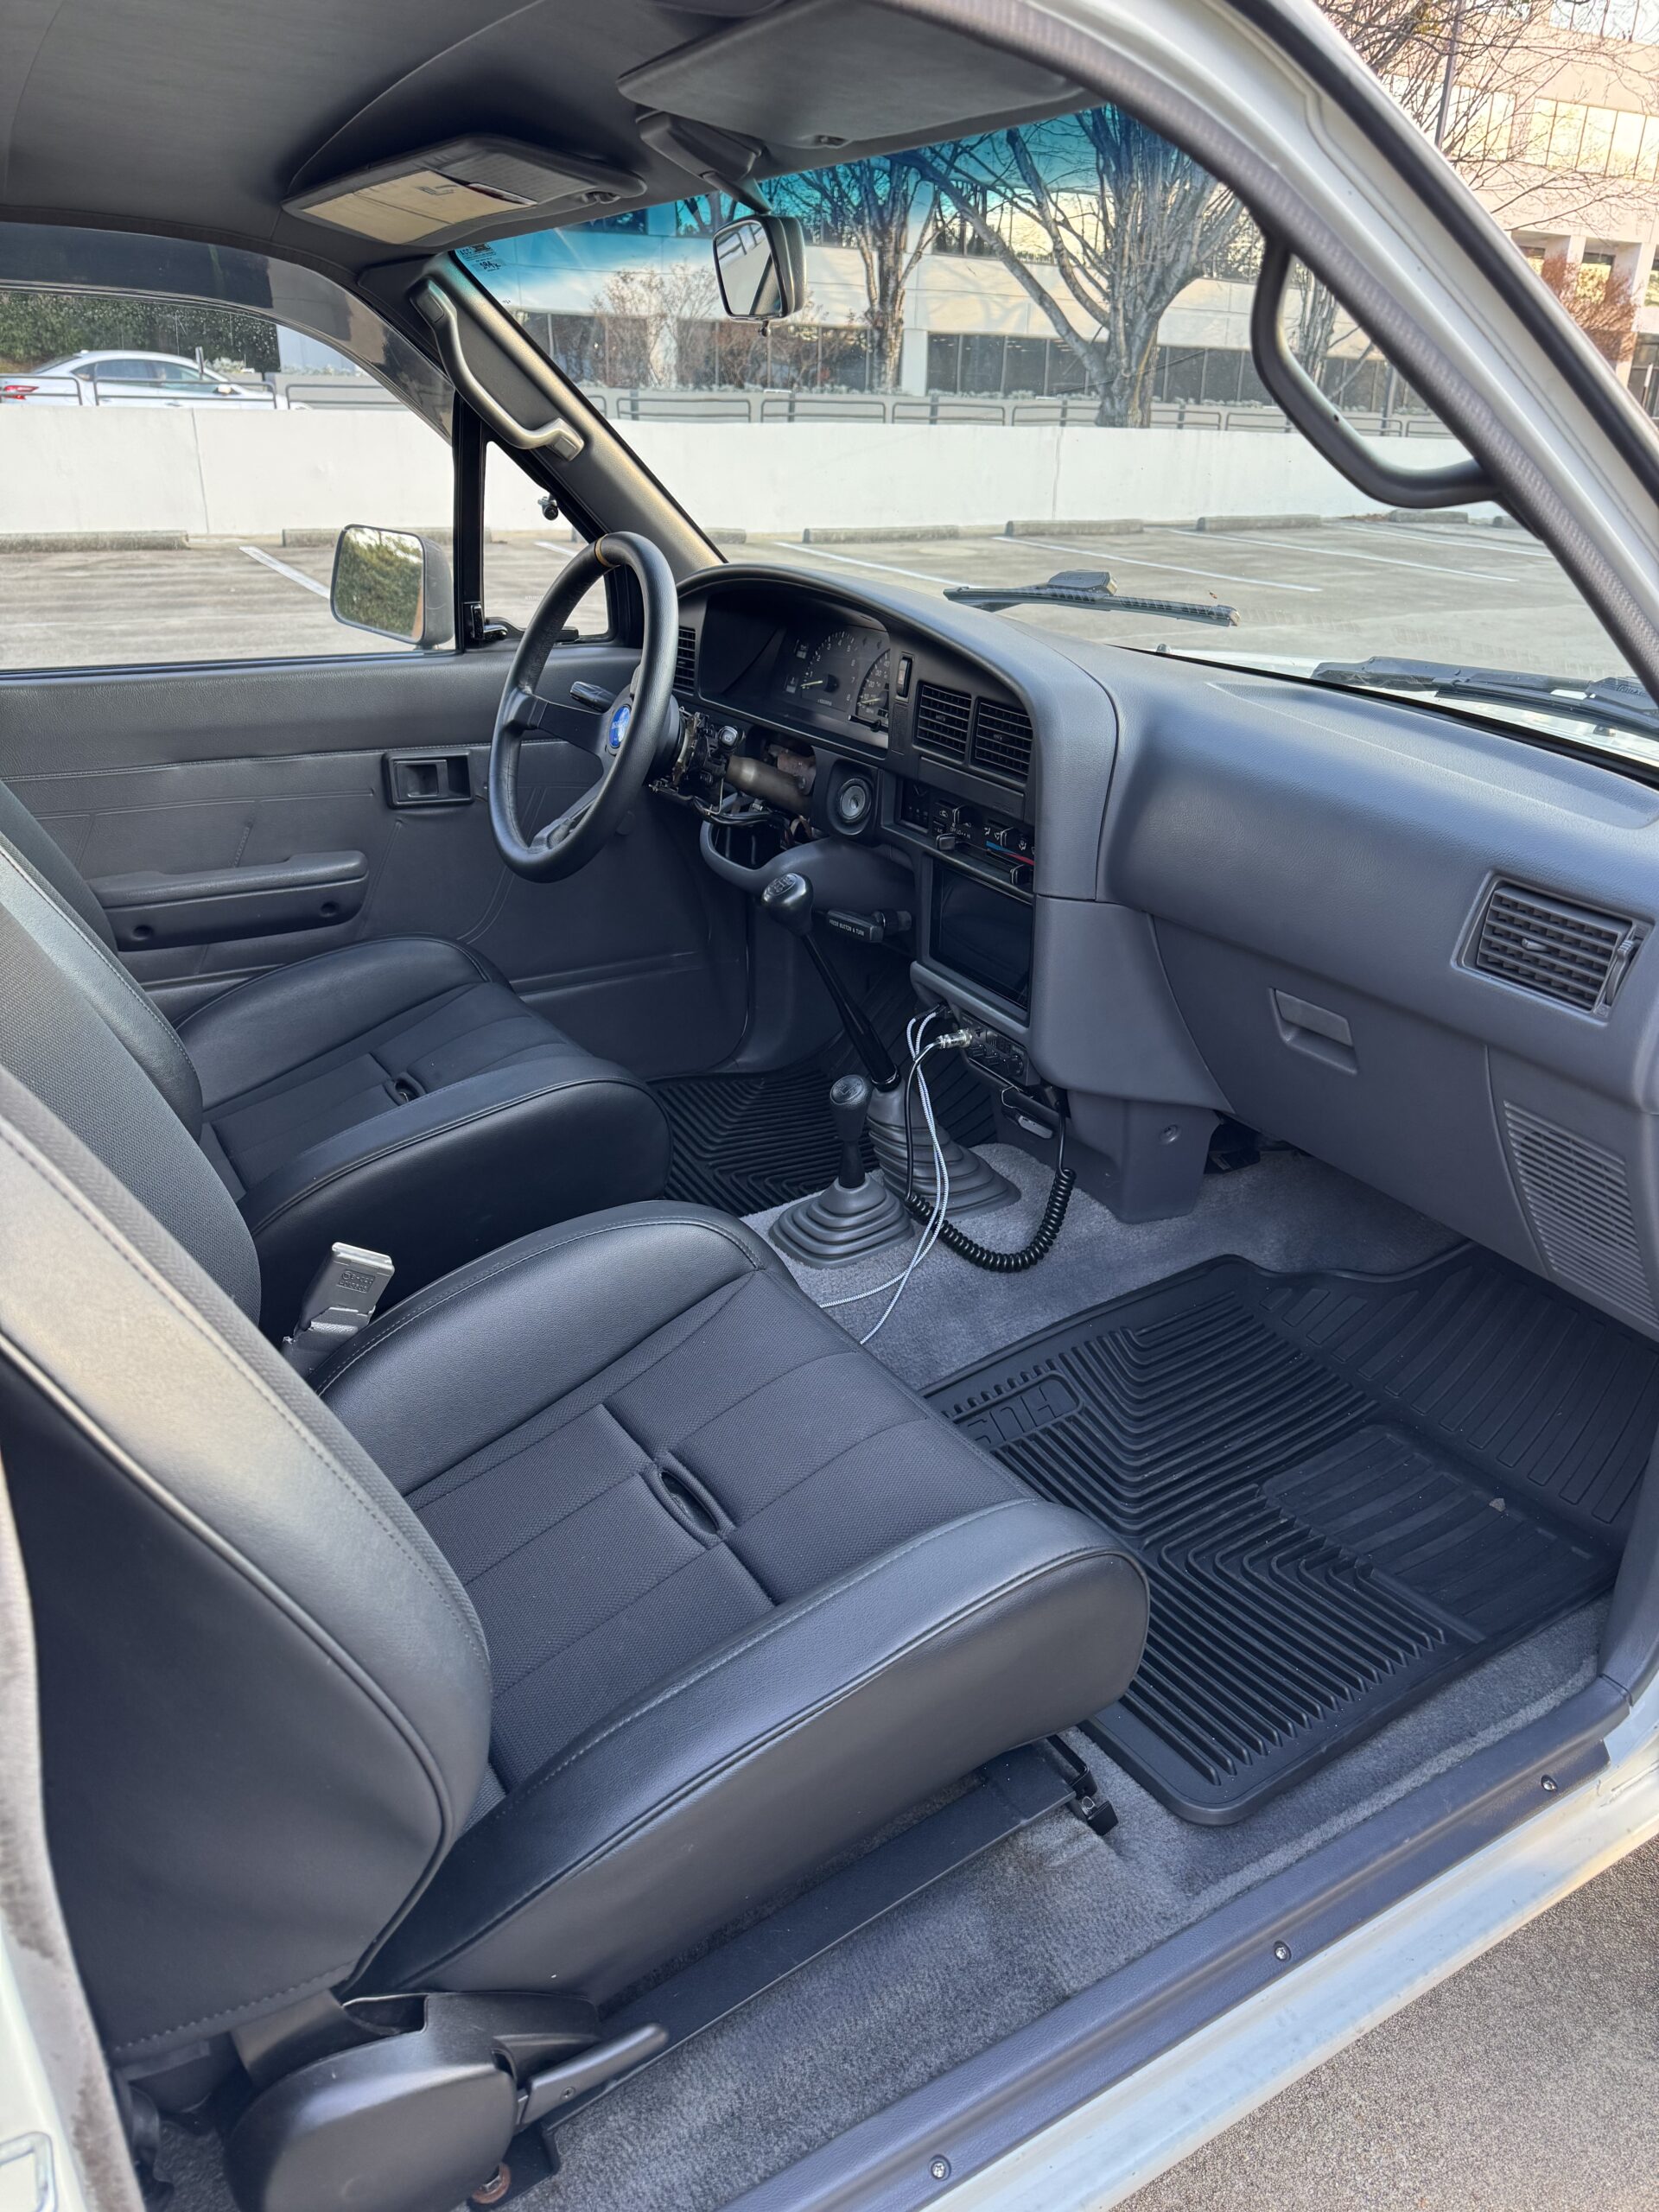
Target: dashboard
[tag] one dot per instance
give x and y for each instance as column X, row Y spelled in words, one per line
column 1409, row 943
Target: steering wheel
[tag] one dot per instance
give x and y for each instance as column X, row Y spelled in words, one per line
column 626, row 738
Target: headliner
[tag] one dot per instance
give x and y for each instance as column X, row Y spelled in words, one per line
column 196, row 119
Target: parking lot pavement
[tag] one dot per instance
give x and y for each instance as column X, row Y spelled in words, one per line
column 1525, row 2083
column 1344, row 590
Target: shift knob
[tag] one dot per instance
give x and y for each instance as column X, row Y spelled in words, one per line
column 849, row 1104
column 788, row 900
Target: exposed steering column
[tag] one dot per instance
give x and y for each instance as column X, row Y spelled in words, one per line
column 640, row 726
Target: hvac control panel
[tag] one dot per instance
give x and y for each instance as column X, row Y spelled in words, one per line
column 963, row 829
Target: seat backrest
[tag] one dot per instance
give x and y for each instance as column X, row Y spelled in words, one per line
column 85, row 1039
column 51, row 864
column 265, row 1698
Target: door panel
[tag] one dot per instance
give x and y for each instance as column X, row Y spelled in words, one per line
column 641, row 956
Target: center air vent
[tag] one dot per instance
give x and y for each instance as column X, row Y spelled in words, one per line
column 942, row 722
column 685, row 660
column 1572, row 954
column 1002, row 740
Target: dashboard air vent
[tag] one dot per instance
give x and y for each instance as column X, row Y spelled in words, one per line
column 685, row 660
column 1548, row 946
column 942, row 722
column 1577, row 1203
column 1002, row 740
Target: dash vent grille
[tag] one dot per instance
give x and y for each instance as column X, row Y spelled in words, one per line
column 1578, row 1201
column 942, row 719
column 1572, row 954
column 685, row 660
column 1002, row 740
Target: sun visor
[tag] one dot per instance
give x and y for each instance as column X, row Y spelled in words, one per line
column 421, row 198
column 836, row 72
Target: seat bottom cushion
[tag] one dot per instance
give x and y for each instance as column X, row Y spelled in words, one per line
column 399, row 1093
column 665, row 1479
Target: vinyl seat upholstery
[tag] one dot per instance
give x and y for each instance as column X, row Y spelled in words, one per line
column 602, row 1590
column 693, row 1527
column 395, row 1093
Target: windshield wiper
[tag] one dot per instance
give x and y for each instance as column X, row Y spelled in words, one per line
column 1090, row 588
column 1615, row 701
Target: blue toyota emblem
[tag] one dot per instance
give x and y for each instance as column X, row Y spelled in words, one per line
column 621, row 715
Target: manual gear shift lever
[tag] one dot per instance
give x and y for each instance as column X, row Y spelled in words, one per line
column 849, row 1109
column 788, row 900
column 856, row 1213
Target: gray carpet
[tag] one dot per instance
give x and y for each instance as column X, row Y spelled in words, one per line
column 1286, row 1212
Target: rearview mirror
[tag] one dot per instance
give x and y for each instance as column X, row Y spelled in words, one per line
column 761, row 266
column 392, row 583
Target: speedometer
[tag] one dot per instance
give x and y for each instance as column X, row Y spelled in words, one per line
column 871, row 706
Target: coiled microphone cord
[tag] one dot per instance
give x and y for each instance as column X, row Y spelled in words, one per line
column 985, row 1255
column 945, row 1230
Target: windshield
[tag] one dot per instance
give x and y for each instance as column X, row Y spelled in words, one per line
column 1023, row 362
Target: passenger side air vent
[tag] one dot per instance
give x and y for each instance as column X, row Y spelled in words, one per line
column 1578, row 1203
column 685, row 660
column 1002, row 740
column 942, row 722
column 1569, row 953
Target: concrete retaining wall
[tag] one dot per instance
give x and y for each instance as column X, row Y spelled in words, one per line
column 222, row 475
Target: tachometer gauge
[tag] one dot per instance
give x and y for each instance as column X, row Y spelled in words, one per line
column 871, row 706
column 829, row 670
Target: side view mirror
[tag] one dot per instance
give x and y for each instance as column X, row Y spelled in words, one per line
column 394, row 583
column 761, row 266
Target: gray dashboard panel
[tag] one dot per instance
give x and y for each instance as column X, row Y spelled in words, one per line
column 1313, row 861
column 1255, row 894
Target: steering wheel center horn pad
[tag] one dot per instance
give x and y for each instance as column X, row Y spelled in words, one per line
column 641, row 723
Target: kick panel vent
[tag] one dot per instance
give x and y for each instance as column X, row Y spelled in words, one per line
column 1002, row 740
column 1572, row 953
column 685, row 660
column 1578, row 1203
column 942, row 718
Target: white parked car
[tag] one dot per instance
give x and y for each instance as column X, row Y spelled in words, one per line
column 130, row 379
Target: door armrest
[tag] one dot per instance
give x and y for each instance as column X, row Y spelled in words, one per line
column 310, row 891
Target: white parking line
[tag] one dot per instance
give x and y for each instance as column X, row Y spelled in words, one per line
column 1174, row 567
column 546, row 545
column 256, row 553
column 1378, row 560
column 888, row 568
column 1489, row 543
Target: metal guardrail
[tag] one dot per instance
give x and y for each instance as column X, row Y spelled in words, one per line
column 279, row 390
column 61, row 390
column 336, row 390
column 645, row 404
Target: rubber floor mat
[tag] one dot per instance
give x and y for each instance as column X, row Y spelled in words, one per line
column 1345, row 1490
column 745, row 1142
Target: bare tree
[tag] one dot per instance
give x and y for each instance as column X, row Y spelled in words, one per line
column 654, row 321
column 1123, row 219
column 884, row 211
column 1602, row 305
column 1472, row 73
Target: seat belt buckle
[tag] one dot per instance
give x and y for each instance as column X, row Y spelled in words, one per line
column 341, row 1303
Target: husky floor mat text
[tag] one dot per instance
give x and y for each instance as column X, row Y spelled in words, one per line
column 1344, row 1490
